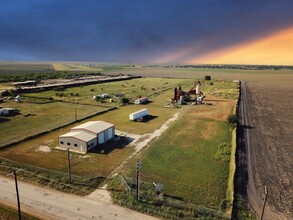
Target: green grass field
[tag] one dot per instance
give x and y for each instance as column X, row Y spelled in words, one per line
column 187, row 159
column 131, row 89
column 184, row 158
column 50, row 115
column 53, row 114
column 36, row 118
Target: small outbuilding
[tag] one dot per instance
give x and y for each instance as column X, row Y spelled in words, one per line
column 87, row 136
column 141, row 100
column 8, row 111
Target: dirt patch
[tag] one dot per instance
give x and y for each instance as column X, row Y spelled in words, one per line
column 215, row 108
column 44, row 149
column 270, row 127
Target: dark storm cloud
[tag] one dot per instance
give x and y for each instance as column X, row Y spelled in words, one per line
column 133, row 31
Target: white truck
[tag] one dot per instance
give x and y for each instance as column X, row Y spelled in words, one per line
column 138, row 115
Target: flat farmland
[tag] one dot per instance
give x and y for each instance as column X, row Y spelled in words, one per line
column 194, row 73
column 269, row 107
column 189, row 158
column 25, row 67
column 48, row 115
column 73, row 67
column 131, row 89
column 29, row 152
column 37, row 118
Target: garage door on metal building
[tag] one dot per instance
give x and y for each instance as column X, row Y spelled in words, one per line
column 110, row 133
column 101, row 138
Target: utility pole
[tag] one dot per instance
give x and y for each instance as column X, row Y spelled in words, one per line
column 68, row 160
column 75, row 116
column 138, row 167
column 264, row 202
column 17, row 195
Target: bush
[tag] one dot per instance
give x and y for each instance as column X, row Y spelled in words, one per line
column 59, row 88
column 124, row 100
column 206, row 77
column 232, row 119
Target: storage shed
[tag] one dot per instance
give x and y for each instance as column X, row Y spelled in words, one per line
column 86, row 136
column 8, row 111
column 141, row 100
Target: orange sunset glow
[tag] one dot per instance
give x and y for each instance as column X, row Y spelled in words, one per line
column 276, row 49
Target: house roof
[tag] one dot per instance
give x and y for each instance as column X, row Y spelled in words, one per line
column 84, row 136
column 93, row 126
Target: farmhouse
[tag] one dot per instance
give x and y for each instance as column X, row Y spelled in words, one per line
column 86, row 136
column 141, row 100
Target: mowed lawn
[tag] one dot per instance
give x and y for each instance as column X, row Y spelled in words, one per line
column 36, row 118
column 183, row 158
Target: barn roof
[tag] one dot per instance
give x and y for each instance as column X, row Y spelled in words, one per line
column 93, row 126
column 79, row 135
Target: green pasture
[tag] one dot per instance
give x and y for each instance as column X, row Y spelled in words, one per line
column 36, row 118
column 184, row 160
column 131, row 89
column 194, row 73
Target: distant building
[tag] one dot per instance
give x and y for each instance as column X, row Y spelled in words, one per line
column 25, row 83
column 141, row 100
column 8, row 111
column 87, row 136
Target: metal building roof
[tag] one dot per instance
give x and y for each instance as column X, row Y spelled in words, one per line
column 79, row 135
column 93, row 126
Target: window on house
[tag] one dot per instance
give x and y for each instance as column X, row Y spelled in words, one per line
column 61, row 142
column 92, row 144
column 75, row 145
column 68, row 144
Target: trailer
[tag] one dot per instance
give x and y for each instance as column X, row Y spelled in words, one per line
column 141, row 100
column 138, row 115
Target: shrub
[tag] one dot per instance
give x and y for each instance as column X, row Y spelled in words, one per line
column 59, row 88
column 124, row 100
column 232, row 119
column 206, row 77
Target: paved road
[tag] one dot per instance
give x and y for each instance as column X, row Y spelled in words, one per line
column 50, row 204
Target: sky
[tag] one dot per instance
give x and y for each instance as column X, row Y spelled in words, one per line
column 148, row 31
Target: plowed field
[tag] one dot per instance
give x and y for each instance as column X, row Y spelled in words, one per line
column 270, row 156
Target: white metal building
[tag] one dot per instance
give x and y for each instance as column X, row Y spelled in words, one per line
column 86, row 136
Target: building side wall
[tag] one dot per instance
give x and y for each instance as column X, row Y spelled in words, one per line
column 106, row 135
column 73, row 143
column 92, row 143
